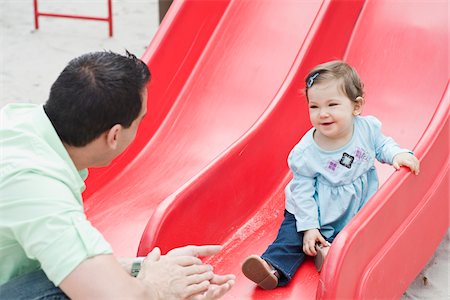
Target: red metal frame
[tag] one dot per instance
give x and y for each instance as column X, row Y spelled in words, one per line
column 108, row 19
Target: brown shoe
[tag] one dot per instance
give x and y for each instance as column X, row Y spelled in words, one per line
column 260, row 272
column 319, row 259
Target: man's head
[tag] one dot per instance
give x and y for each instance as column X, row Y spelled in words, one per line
column 95, row 92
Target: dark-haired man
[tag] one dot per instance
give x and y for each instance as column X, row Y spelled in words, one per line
column 47, row 246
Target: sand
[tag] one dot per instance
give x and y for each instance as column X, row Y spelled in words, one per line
column 31, row 60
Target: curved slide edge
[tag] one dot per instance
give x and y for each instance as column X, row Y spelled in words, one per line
column 383, row 245
column 344, row 263
column 378, row 239
column 242, row 178
column 233, row 77
column 171, row 56
column 212, row 206
column 120, row 199
column 393, row 237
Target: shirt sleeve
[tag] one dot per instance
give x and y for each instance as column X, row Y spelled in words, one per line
column 51, row 226
column 385, row 147
column 301, row 190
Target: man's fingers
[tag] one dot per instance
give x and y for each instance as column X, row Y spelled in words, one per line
column 221, row 279
column 199, row 278
column 185, row 261
column 193, row 291
column 206, row 250
column 197, row 269
column 196, row 251
column 154, row 255
column 214, row 291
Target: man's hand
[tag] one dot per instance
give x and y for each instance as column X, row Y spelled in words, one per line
column 175, row 277
column 195, row 251
column 406, row 159
column 310, row 238
column 220, row 285
column 198, row 283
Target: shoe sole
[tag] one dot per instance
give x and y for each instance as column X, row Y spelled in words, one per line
column 319, row 258
column 255, row 269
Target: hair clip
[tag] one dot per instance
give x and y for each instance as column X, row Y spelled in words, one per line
column 311, row 80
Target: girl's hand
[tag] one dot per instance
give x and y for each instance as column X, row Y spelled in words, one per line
column 408, row 160
column 310, row 238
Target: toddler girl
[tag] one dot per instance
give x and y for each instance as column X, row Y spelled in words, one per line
column 333, row 174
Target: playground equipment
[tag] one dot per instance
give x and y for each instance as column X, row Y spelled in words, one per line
column 108, row 19
column 224, row 109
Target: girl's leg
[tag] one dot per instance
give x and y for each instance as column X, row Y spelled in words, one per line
column 285, row 254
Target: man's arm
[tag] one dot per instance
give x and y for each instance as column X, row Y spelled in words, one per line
column 126, row 263
column 102, row 277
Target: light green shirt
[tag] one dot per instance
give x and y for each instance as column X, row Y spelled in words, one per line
column 42, row 221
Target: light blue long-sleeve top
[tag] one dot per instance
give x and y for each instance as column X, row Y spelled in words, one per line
column 329, row 187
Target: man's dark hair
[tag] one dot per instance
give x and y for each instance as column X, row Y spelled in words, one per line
column 93, row 93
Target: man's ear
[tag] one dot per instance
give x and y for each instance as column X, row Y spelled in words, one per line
column 358, row 106
column 112, row 136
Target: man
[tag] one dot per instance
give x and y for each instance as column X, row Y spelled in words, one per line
column 47, row 246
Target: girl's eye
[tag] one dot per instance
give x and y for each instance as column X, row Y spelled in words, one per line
column 333, row 104
column 312, row 107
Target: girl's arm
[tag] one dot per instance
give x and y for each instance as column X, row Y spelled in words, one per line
column 301, row 190
column 385, row 146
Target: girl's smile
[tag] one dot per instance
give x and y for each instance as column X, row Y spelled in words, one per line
column 331, row 113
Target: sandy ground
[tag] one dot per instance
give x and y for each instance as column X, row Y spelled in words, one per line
column 31, row 60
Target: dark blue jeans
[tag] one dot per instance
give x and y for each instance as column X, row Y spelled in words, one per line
column 31, row 286
column 286, row 252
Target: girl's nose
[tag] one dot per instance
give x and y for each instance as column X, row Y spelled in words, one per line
column 323, row 113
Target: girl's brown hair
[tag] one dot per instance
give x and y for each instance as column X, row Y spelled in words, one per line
column 351, row 85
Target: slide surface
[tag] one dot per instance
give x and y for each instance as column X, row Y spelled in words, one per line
column 225, row 108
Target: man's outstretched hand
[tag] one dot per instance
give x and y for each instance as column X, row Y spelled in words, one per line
column 181, row 274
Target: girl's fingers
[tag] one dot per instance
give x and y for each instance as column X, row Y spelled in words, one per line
column 309, row 249
column 396, row 165
column 322, row 241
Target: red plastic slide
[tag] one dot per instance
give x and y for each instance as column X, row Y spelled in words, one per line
column 225, row 108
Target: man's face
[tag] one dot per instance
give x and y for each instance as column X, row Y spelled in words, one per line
column 128, row 134
column 125, row 136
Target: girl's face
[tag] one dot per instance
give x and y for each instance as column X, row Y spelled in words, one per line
column 331, row 113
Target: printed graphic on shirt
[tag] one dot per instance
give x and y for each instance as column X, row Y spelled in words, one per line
column 346, row 160
column 361, row 154
column 332, row 165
